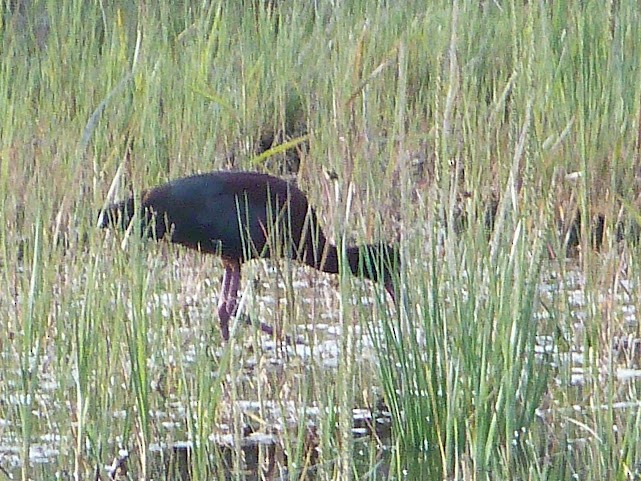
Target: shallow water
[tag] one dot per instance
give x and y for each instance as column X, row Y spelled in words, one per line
column 259, row 445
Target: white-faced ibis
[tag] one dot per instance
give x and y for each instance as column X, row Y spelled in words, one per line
column 241, row 216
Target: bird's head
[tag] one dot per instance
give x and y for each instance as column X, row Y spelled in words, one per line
column 121, row 214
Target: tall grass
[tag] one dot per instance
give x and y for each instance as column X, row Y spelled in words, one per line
column 431, row 115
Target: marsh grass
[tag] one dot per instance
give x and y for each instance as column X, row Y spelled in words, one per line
column 439, row 119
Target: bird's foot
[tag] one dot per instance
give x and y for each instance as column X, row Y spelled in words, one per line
column 267, row 329
column 227, row 310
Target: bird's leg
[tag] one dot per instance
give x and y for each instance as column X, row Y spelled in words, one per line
column 232, row 301
column 233, row 273
column 228, row 303
column 223, row 311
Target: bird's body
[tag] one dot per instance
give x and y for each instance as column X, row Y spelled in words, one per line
column 241, row 216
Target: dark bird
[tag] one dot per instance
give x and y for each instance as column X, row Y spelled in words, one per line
column 242, row 216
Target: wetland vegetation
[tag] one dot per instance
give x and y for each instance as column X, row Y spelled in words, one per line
column 498, row 142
